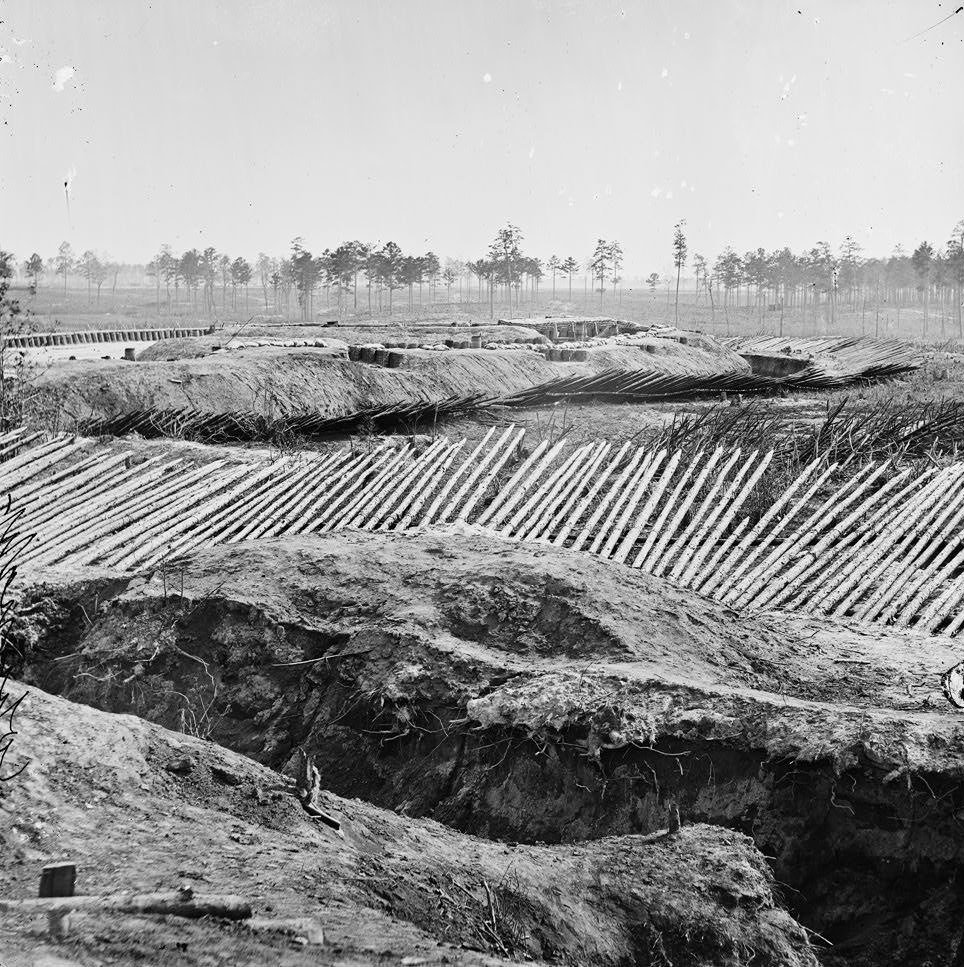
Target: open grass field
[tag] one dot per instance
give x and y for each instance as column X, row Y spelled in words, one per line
column 52, row 309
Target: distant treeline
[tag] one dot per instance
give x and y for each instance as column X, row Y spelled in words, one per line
column 927, row 277
column 206, row 280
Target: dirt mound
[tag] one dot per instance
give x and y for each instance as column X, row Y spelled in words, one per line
column 168, row 350
column 358, row 331
column 276, row 380
column 668, row 355
column 138, row 809
column 529, row 693
column 336, row 336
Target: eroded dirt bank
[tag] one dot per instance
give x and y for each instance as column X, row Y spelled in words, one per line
column 272, row 380
column 139, row 808
column 527, row 693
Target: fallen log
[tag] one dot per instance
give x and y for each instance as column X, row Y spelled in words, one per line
column 175, row 904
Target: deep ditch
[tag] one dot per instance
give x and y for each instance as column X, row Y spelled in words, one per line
column 870, row 863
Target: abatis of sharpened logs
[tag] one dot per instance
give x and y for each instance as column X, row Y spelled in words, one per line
column 243, row 427
column 830, row 363
column 879, row 543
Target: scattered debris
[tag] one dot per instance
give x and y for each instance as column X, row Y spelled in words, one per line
column 307, row 788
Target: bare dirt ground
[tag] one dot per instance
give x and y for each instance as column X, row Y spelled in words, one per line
column 138, row 809
column 531, row 694
column 235, row 336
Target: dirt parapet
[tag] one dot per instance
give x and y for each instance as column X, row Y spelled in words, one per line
column 171, row 809
column 527, row 693
column 274, row 380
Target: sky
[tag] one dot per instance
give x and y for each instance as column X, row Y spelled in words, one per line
column 243, row 124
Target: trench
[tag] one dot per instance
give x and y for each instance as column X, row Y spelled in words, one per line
column 872, row 868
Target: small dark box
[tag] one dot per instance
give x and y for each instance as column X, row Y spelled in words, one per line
column 58, row 880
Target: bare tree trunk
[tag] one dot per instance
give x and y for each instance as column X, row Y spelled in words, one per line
column 877, row 308
column 960, row 272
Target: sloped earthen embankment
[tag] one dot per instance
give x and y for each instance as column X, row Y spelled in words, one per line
column 274, row 381
column 530, row 694
column 137, row 809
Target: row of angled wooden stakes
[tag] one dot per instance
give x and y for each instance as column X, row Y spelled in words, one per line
column 877, row 543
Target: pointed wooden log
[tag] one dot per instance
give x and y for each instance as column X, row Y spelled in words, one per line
column 587, row 500
column 812, row 540
column 564, row 492
column 507, row 453
column 471, row 478
column 728, row 508
column 564, row 513
column 734, row 563
column 378, row 509
column 849, row 554
column 615, row 525
column 661, row 555
column 802, row 534
column 464, row 467
column 523, row 517
column 496, row 512
column 748, row 569
column 421, row 489
column 604, row 502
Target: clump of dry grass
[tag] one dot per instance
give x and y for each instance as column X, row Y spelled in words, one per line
column 850, row 432
column 13, row 541
column 851, row 429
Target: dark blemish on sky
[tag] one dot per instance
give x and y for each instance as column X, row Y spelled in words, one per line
column 932, row 26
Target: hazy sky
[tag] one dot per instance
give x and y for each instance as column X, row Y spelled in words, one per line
column 242, row 124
